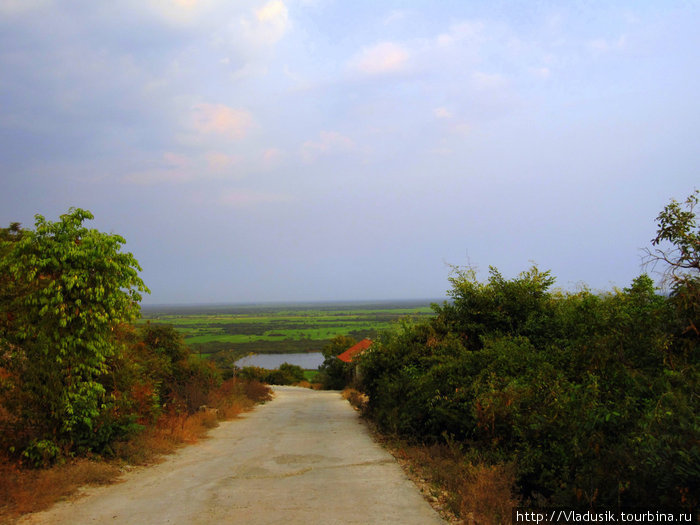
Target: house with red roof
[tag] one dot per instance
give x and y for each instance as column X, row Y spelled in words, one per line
column 354, row 351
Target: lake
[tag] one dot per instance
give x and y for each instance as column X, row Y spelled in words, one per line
column 308, row 361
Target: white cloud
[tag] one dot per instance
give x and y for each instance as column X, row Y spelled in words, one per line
column 217, row 161
column 222, row 120
column 245, row 198
column 442, row 113
column 176, row 168
column 181, row 12
column 18, row 7
column 274, row 12
column 487, row 81
column 542, row 72
column 271, row 157
column 267, row 27
column 603, row 45
column 468, row 30
column 157, row 176
column 462, row 128
column 441, row 151
column 175, row 160
column 329, row 142
column 248, row 39
column 395, row 16
column 385, row 57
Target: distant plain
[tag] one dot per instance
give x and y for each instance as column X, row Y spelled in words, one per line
column 234, row 331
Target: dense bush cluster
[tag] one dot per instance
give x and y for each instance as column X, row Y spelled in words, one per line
column 286, row 374
column 593, row 398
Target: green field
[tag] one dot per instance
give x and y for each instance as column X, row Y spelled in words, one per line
column 237, row 330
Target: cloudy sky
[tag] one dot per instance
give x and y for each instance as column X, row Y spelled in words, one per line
column 347, row 150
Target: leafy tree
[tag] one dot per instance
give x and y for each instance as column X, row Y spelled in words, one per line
column 295, row 373
column 677, row 241
column 677, row 247
column 69, row 288
column 286, row 374
column 334, row 373
column 338, row 345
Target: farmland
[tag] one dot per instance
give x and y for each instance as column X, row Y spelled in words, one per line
column 237, row 330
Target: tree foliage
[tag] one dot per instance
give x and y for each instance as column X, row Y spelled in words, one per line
column 65, row 291
column 677, row 249
column 334, row 373
column 286, row 374
column 677, row 241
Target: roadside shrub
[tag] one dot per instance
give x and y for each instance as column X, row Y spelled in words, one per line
column 257, row 391
column 286, row 374
column 357, row 399
column 473, row 490
column 41, row 453
column 486, row 494
column 253, row 373
column 591, row 396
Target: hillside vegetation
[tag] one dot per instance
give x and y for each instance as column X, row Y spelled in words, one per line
column 590, row 399
column 77, row 377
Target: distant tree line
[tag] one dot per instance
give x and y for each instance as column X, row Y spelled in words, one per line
column 286, row 374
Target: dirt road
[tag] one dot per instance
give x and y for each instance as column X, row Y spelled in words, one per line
column 304, row 458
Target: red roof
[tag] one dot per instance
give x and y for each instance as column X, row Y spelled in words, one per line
column 351, row 352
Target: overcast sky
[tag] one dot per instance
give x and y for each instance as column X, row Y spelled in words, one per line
column 347, row 150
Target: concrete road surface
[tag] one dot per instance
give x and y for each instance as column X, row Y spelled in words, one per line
column 303, row 458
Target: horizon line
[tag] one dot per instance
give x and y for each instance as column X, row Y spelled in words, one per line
column 294, row 302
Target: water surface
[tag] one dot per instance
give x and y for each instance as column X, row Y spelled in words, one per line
column 308, row 361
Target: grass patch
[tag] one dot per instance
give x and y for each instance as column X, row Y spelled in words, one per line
column 356, row 398
column 280, row 329
column 310, row 375
column 457, row 485
column 23, row 491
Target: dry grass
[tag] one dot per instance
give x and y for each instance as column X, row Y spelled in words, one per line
column 258, row 392
column 307, row 384
column 486, row 494
column 23, row 491
column 356, row 398
column 463, row 491
column 163, row 438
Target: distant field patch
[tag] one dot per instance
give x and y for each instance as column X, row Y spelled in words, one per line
column 310, row 375
column 239, row 330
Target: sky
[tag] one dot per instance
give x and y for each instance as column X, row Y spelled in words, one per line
column 321, row 150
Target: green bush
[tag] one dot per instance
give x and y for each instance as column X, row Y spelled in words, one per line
column 286, row 374
column 64, row 291
column 592, row 396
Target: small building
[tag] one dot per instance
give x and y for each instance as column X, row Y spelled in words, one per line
column 355, row 350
